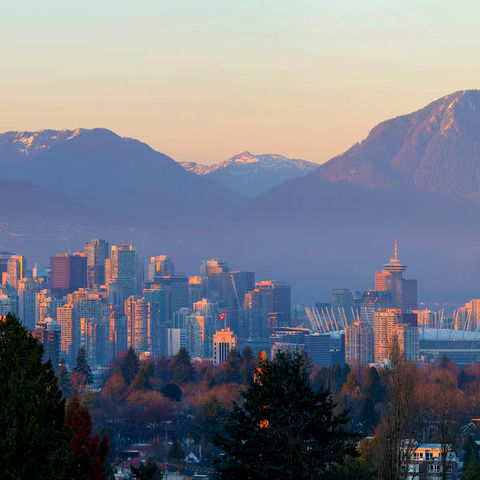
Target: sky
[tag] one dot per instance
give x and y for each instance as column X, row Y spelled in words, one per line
column 202, row 80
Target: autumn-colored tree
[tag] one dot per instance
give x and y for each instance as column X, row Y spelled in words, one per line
column 89, row 452
column 141, row 381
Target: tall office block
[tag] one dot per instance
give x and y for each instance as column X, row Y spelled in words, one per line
column 16, row 267
column 96, row 251
column 269, row 300
column 359, row 344
column 160, row 266
column 176, row 339
column 67, row 273
column 223, row 343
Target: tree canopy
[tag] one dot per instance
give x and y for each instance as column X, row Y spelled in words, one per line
column 33, row 437
column 284, row 429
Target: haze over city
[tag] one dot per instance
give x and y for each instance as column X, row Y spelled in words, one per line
column 239, row 240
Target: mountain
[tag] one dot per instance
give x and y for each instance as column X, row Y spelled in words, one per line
column 22, row 202
column 251, row 175
column 119, row 176
column 436, row 149
column 415, row 178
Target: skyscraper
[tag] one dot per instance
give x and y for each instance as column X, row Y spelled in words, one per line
column 67, row 273
column 136, row 311
column 16, row 266
column 160, row 266
column 390, row 323
column 268, row 298
column 122, row 273
column 359, row 344
column 223, row 342
column 96, row 251
column 404, row 292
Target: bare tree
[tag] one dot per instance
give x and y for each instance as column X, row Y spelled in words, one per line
column 396, row 435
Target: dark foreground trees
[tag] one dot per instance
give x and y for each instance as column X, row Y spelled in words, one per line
column 284, row 429
column 33, row 437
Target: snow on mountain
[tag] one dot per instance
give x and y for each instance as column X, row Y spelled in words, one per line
column 251, row 175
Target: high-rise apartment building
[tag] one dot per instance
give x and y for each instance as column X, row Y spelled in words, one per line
column 67, row 273
column 269, row 300
column 390, row 323
column 404, row 292
column 136, row 312
column 223, row 343
column 96, row 251
column 176, row 339
column 122, row 273
column 359, row 341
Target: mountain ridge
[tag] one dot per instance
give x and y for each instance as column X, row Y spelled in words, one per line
column 252, row 175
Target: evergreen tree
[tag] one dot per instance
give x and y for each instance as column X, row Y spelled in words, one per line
column 231, row 368
column 173, row 391
column 176, row 455
column 470, row 448
column 82, row 373
column 148, row 470
column 284, row 429
column 33, row 436
column 63, row 377
column 182, row 368
column 130, row 365
column 248, row 364
column 472, row 472
column 372, row 385
column 368, row 415
column 89, row 452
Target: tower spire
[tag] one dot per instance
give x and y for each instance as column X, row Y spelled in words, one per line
column 395, row 251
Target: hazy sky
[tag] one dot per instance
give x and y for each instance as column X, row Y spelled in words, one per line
column 201, row 80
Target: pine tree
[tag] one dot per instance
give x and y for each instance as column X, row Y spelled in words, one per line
column 472, row 472
column 33, row 436
column 130, row 365
column 176, row 455
column 368, row 415
column 372, row 385
column 182, row 368
column 173, row 391
column 64, row 378
column 248, row 364
column 82, row 373
column 231, row 368
column 284, row 429
column 148, row 470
